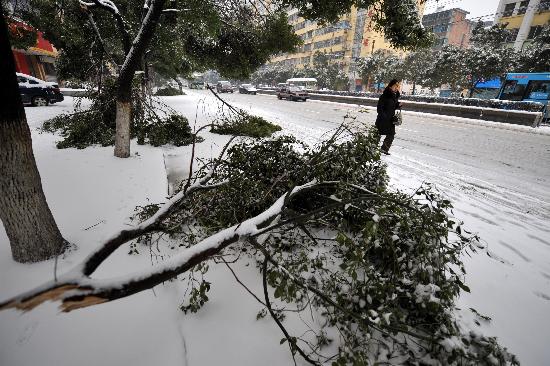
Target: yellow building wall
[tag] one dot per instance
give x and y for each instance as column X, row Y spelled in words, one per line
column 541, row 19
column 344, row 46
column 512, row 22
column 370, row 38
column 377, row 41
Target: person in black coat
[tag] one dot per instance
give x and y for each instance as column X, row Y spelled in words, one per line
column 387, row 105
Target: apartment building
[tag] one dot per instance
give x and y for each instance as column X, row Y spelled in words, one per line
column 450, row 27
column 524, row 19
column 335, row 40
column 352, row 37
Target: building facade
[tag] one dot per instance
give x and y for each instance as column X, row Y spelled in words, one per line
column 525, row 20
column 450, row 27
column 38, row 60
column 352, row 37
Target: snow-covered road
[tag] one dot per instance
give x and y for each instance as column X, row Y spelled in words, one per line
column 513, row 160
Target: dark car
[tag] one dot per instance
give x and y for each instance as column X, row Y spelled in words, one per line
column 224, row 87
column 37, row 92
column 292, row 93
column 196, row 85
column 247, row 89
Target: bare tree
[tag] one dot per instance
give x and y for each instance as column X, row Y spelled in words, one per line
column 31, row 228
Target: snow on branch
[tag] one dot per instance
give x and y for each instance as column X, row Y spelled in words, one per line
column 111, row 7
column 141, row 40
column 107, row 4
column 76, row 290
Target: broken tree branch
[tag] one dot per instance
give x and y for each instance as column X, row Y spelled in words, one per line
column 76, row 289
column 291, row 341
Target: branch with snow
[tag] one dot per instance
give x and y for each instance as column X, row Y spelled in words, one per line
column 112, row 8
column 76, row 289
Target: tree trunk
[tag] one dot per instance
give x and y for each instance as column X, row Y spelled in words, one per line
column 29, row 223
column 123, row 119
column 126, row 76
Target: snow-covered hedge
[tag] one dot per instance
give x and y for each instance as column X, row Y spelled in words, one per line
column 473, row 102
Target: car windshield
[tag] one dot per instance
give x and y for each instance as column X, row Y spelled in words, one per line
column 295, row 88
column 247, row 85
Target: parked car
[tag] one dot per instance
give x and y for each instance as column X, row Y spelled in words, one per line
column 247, row 89
column 224, row 87
column 38, row 92
column 196, row 85
column 292, row 93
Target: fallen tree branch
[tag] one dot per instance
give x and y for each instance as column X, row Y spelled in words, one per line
column 224, row 102
column 76, row 289
column 291, row 341
column 241, row 283
column 327, row 300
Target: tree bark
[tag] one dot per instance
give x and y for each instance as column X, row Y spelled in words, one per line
column 126, row 76
column 29, row 223
column 123, row 119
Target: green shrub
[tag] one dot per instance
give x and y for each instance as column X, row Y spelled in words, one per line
column 96, row 125
column 245, row 125
column 174, row 130
column 168, row 92
column 80, row 130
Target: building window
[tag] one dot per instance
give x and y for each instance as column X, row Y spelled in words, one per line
column 440, row 28
column 299, row 26
column 512, row 35
column 328, row 42
column 534, row 31
column 49, row 69
column 538, row 89
column 544, row 5
column 523, row 7
column 509, row 10
column 512, row 90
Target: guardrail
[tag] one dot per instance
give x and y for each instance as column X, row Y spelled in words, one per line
column 525, row 118
column 74, row 92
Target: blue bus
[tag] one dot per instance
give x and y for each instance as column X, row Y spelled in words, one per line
column 529, row 87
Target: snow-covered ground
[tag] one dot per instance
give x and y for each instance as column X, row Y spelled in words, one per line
column 92, row 194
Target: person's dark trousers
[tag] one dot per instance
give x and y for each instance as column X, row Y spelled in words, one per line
column 387, row 142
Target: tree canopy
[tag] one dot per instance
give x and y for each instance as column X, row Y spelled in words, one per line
column 234, row 38
column 536, row 56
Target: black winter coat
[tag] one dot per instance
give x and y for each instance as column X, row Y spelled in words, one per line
column 387, row 104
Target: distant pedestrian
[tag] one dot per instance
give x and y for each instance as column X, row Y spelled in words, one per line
column 387, row 105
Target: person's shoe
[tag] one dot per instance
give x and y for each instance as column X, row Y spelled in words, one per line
column 384, row 151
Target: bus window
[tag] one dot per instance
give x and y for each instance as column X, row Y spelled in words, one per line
column 512, row 90
column 538, row 89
